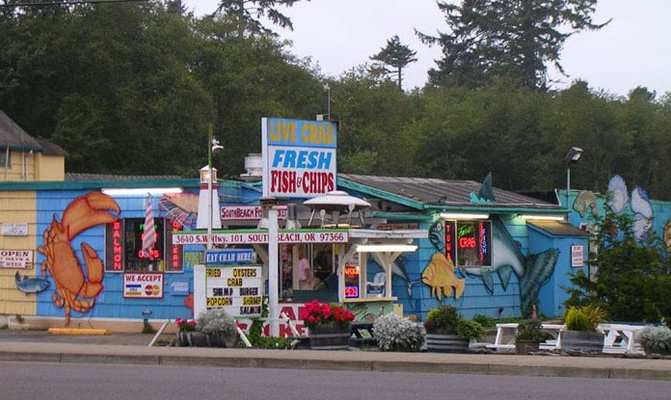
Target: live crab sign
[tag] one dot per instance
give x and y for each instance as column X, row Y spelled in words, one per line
column 299, row 157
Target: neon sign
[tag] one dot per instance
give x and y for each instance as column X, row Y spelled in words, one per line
column 473, row 243
column 352, row 279
column 351, row 291
column 114, row 247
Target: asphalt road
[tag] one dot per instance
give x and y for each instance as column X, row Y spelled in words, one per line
column 45, row 381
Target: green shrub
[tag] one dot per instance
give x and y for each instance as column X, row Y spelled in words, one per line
column 216, row 321
column 443, row 317
column 530, row 329
column 469, row 329
column 577, row 320
column 484, row 320
column 655, row 339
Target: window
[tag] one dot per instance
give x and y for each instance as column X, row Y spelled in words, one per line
column 5, row 157
column 469, row 243
column 123, row 250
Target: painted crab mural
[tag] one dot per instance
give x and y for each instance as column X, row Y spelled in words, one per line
column 73, row 287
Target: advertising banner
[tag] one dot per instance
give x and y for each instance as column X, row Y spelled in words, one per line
column 143, row 285
column 261, row 237
column 299, row 157
column 20, row 259
column 238, row 289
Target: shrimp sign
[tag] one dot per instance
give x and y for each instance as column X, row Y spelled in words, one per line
column 299, row 157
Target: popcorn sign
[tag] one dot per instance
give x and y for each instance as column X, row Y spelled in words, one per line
column 299, row 157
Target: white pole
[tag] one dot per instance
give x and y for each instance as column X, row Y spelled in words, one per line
column 209, row 210
column 273, row 275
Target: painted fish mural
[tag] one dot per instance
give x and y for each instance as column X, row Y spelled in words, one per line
column 640, row 206
column 30, row 285
column 667, row 234
column 586, row 201
column 440, row 276
column 72, row 285
column 531, row 271
column 618, row 196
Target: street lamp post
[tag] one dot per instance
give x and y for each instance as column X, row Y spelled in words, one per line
column 571, row 158
column 328, row 101
column 212, row 146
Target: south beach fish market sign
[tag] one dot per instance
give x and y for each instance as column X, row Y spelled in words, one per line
column 299, row 157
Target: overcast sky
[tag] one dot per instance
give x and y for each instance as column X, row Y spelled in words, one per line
column 633, row 50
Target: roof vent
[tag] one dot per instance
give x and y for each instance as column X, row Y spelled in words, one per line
column 254, row 167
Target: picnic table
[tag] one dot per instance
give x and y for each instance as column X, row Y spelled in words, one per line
column 619, row 338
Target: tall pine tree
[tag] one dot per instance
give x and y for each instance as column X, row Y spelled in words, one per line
column 395, row 55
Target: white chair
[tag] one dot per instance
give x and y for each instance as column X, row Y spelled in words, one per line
column 376, row 288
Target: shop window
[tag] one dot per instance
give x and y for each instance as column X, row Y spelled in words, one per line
column 469, row 243
column 305, row 269
column 123, row 250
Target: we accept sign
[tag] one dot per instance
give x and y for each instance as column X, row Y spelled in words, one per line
column 299, row 157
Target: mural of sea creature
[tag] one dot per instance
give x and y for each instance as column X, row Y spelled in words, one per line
column 617, row 194
column 72, row 286
column 439, row 275
column 640, row 205
column 182, row 207
column 586, row 201
column 667, row 234
column 486, row 192
column 30, row 285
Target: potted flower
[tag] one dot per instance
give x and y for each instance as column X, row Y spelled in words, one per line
column 219, row 328
column 394, row 333
column 580, row 335
column 187, row 335
column 529, row 335
column 655, row 339
column 329, row 325
column 448, row 332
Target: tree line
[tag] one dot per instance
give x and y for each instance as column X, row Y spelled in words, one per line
column 129, row 88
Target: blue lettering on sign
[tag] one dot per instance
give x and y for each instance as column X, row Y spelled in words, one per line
column 230, row 256
column 302, row 159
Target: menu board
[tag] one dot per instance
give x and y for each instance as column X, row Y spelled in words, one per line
column 238, row 289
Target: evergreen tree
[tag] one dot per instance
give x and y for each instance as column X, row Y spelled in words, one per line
column 248, row 14
column 395, row 55
column 512, row 39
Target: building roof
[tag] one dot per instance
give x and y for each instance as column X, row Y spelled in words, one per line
column 439, row 193
column 83, row 177
column 558, row 228
column 14, row 137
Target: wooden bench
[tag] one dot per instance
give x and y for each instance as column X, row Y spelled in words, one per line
column 505, row 337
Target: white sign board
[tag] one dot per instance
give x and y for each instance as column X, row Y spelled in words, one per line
column 238, row 289
column 261, row 237
column 248, row 213
column 14, row 229
column 21, row 259
column 143, row 285
column 577, row 256
column 299, row 157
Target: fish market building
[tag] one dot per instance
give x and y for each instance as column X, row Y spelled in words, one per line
column 74, row 249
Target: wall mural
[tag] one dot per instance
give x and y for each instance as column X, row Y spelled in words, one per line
column 30, row 285
column 440, row 276
column 641, row 208
column 667, row 234
column 532, row 271
column 586, row 202
column 72, row 286
column 182, row 207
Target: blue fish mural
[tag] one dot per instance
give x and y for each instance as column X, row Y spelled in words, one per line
column 30, row 285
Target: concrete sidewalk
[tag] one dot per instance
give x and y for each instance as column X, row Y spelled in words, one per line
column 126, row 349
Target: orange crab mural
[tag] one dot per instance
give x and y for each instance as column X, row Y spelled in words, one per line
column 72, row 286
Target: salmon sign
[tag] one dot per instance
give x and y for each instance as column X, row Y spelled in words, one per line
column 299, row 157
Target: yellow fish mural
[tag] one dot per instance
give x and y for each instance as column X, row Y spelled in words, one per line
column 440, row 276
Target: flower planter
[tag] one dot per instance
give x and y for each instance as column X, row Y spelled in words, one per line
column 524, row 347
column 329, row 337
column 193, row 339
column 222, row 340
column 441, row 341
column 574, row 342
